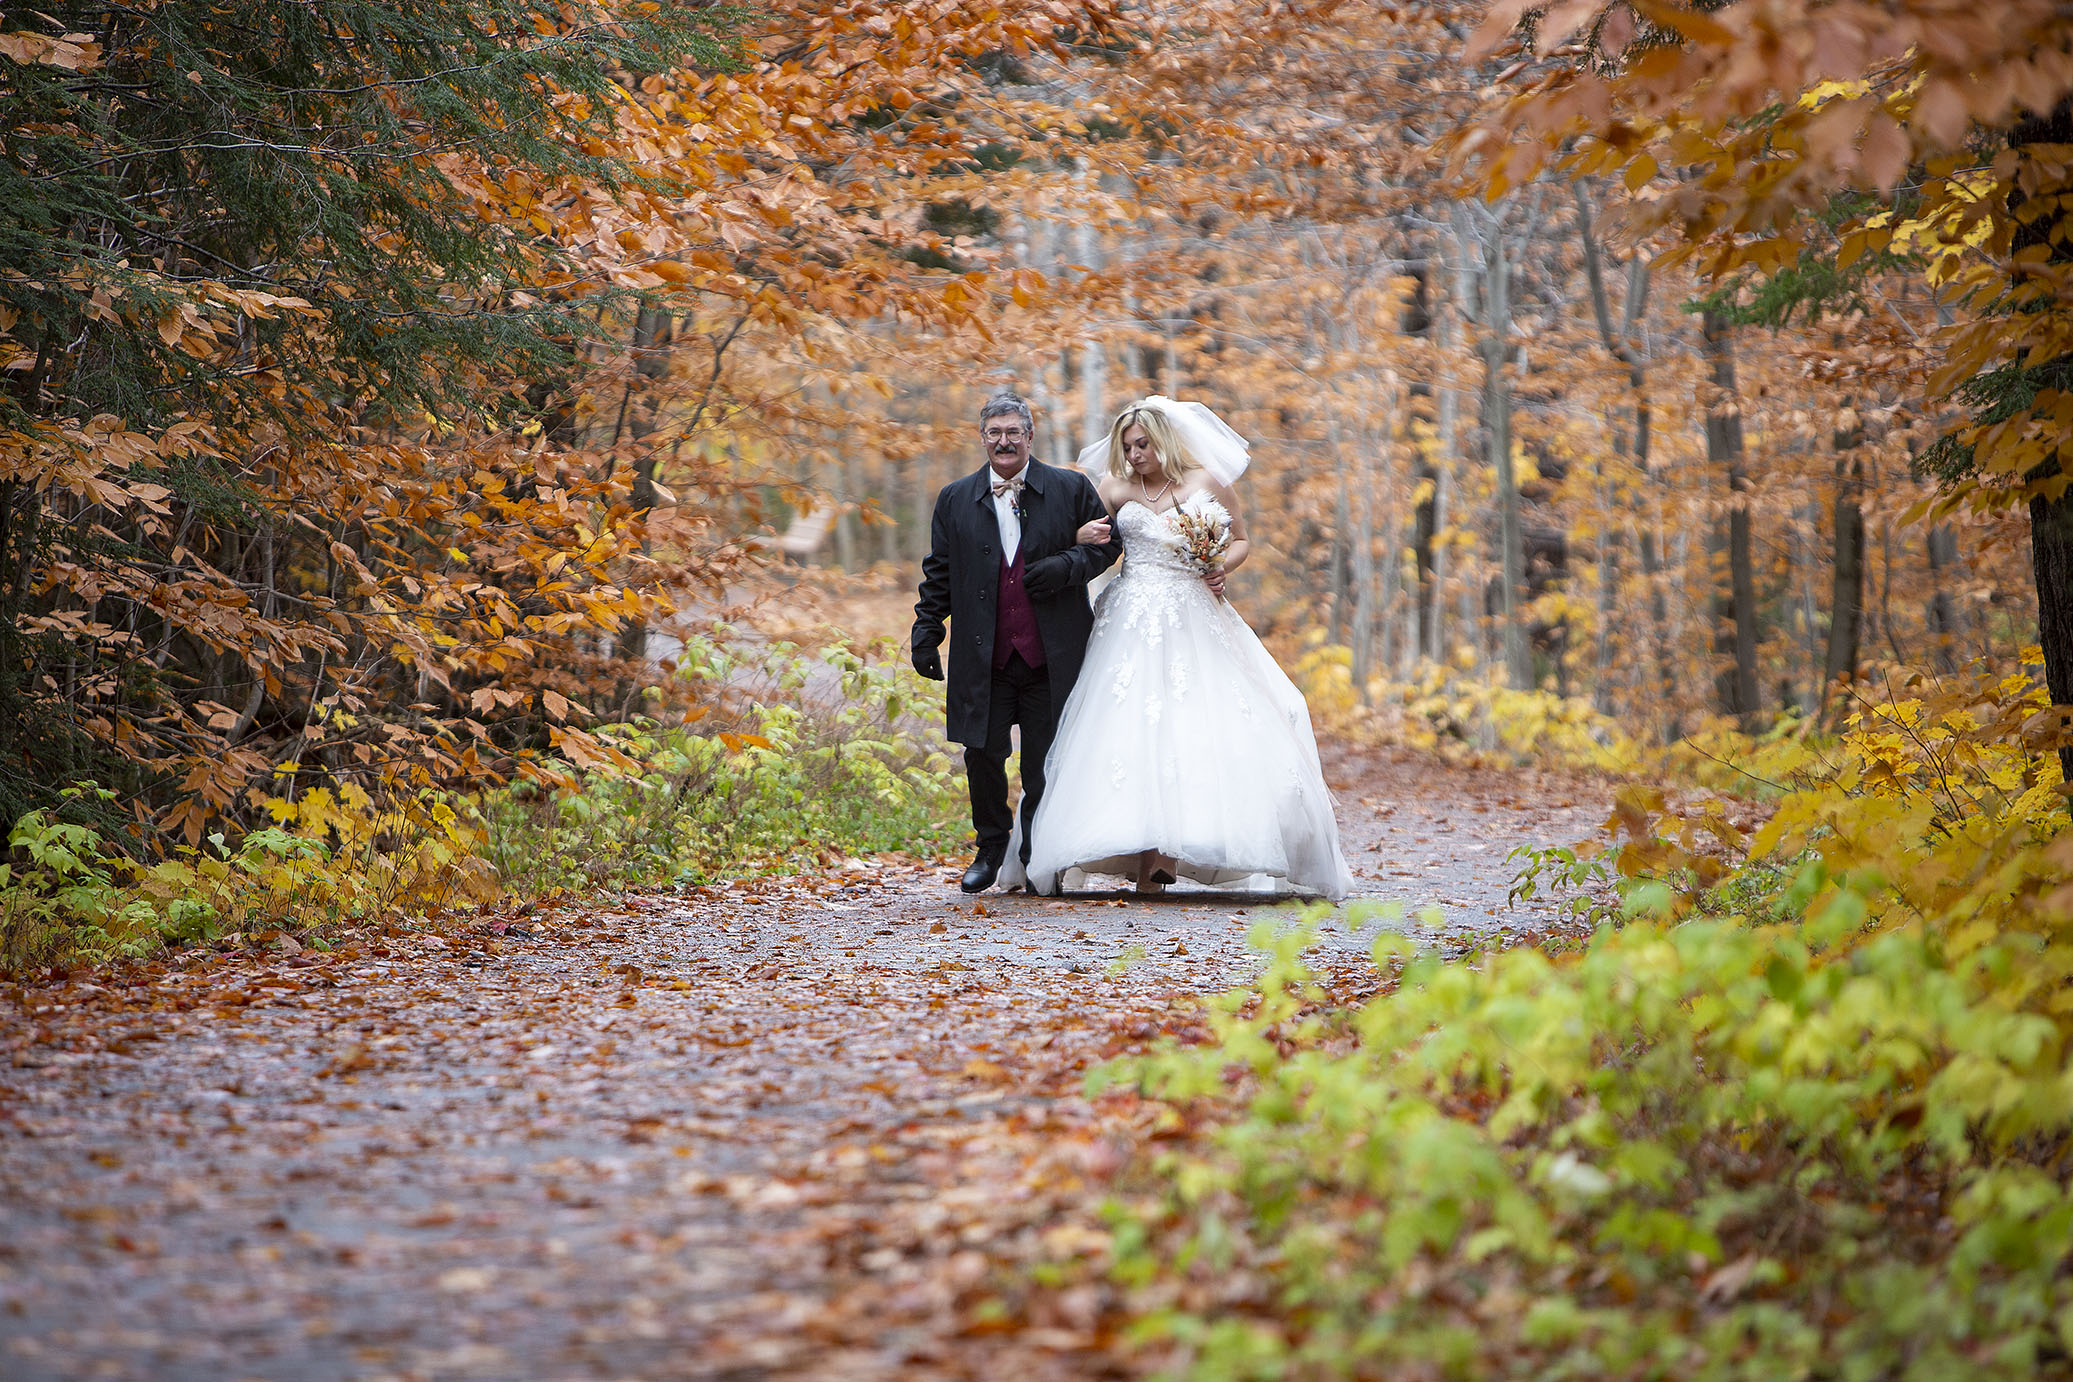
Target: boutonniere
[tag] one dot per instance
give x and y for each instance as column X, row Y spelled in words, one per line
column 1010, row 490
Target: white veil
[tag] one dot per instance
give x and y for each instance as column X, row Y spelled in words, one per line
column 1209, row 439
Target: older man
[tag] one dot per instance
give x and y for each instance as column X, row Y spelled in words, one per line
column 1005, row 567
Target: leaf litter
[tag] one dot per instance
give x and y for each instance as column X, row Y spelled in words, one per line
column 824, row 1126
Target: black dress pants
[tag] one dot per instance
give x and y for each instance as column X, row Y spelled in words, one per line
column 1020, row 695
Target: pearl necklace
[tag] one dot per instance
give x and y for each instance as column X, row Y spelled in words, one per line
column 1151, row 501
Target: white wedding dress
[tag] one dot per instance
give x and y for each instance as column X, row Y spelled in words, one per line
column 1185, row 736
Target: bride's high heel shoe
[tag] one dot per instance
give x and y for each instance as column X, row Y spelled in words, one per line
column 1155, row 871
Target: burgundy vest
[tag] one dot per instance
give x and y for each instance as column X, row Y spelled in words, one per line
column 1014, row 623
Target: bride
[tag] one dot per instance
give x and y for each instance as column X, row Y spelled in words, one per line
column 1184, row 750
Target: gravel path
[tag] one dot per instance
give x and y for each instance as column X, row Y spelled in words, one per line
column 813, row 1127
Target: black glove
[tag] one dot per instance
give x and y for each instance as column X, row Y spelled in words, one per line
column 929, row 663
column 1047, row 577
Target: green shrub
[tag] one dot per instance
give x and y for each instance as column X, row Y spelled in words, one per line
column 1700, row 1150
column 72, row 896
column 783, row 772
column 786, row 760
column 1802, row 1107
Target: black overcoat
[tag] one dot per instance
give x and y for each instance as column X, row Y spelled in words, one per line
column 960, row 581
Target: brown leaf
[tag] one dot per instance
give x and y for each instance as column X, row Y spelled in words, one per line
column 1885, row 154
column 1940, row 111
column 1727, row 1282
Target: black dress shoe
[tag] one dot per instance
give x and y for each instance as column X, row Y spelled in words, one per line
column 979, row 877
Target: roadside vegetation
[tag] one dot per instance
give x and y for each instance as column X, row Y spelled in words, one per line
column 790, row 759
column 1796, row 1104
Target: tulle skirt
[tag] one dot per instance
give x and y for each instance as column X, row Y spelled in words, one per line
column 1184, row 735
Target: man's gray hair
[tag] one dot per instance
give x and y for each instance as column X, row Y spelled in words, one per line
column 1003, row 403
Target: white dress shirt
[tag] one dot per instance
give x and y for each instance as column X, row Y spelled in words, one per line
column 1004, row 510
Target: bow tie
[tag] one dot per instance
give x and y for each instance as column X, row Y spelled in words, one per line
column 1011, row 488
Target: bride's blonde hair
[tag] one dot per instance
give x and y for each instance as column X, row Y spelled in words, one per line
column 1174, row 457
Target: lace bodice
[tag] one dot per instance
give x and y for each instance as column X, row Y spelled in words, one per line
column 1158, row 589
column 1149, row 542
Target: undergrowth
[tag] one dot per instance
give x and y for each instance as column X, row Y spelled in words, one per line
column 1442, row 709
column 1801, row 1107
column 835, row 754
column 782, row 759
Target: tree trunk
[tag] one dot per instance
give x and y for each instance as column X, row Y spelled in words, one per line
column 1399, row 614
column 1495, row 324
column 2051, row 561
column 1659, row 614
column 1093, row 356
column 1846, row 596
column 844, row 496
column 2051, row 520
column 857, row 557
column 1053, row 430
column 1735, row 632
column 1810, row 643
column 650, row 367
column 1416, row 323
column 1342, row 550
column 922, row 479
column 1363, row 565
column 1448, row 443
column 1432, row 627
column 256, row 697
column 1946, row 624
column 1620, row 346
column 1425, row 602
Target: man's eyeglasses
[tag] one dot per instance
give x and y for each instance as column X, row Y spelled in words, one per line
column 1017, row 434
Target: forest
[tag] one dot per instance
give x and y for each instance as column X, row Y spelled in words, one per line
column 464, row 467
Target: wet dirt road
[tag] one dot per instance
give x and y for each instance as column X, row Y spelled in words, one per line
column 809, row 1127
